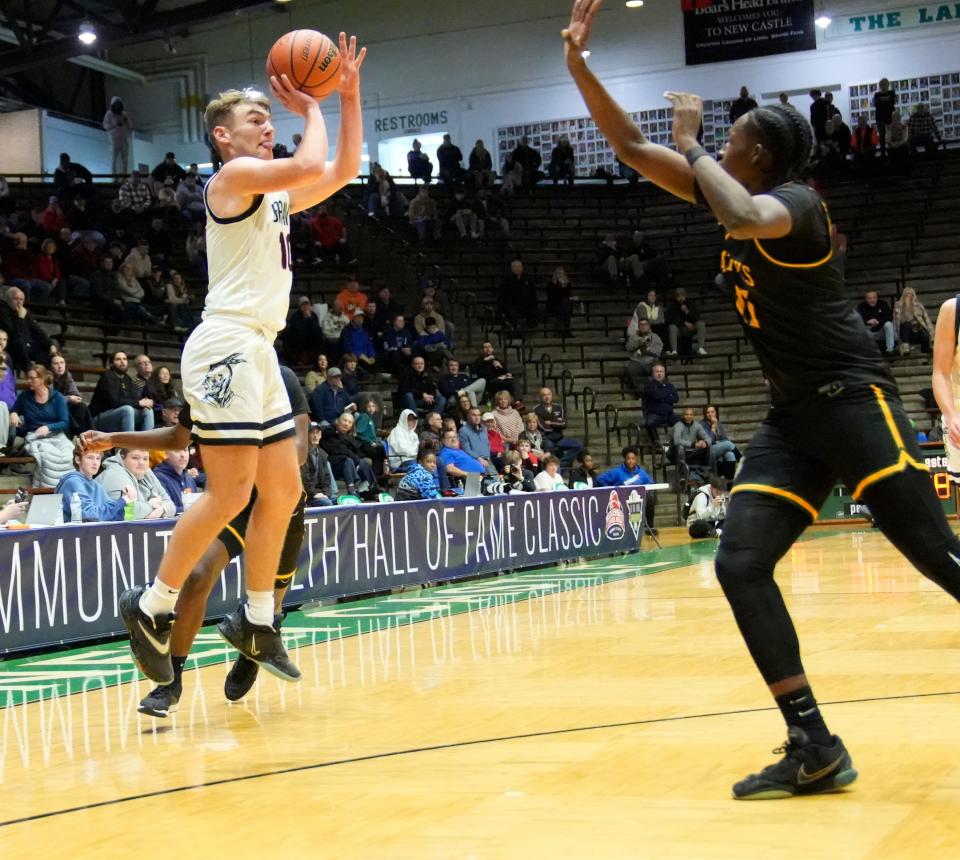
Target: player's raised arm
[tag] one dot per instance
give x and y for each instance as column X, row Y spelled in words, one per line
column 659, row 164
column 944, row 351
column 346, row 164
column 174, row 438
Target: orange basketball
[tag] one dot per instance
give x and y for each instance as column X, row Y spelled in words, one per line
column 309, row 59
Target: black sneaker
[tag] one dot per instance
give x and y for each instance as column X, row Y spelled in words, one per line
column 262, row 645
column 240, row 678
column 162, row 701
column 149, row 637
column 806, row 768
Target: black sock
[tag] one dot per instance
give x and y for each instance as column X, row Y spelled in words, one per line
column 178, row 664
column 799, row 708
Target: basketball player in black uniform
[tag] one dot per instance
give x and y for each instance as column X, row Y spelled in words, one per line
column 836, row 409
column 192, row 600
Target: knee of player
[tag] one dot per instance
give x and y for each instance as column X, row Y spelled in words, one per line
column 736, row 565
column 201, row 580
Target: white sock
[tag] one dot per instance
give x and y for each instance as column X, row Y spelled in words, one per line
column 158, row 599
column 259, row 608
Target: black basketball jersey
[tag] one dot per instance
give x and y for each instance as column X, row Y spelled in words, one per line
column 789, row 294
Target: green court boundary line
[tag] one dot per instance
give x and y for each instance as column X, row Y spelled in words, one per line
column 640, row 563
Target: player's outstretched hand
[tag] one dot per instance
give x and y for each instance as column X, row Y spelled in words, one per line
column 350, row 62
column 577, row 33
column 95, row 440
column 687, row 117
column 290, row 97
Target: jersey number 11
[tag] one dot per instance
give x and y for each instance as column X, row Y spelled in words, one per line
column 286, row 251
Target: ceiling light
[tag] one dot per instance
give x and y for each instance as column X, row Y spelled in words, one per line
column 823, row 22
column 86, row 33
column 634, row 4
column 584, row 54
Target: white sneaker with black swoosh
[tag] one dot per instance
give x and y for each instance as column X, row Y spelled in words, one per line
column 149, row 637
column 806, row 768
column 262, row 645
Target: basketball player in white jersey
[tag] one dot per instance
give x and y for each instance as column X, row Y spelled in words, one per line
column 946, row 383
column 231, row 377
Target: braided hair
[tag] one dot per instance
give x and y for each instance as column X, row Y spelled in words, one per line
column 784, row 134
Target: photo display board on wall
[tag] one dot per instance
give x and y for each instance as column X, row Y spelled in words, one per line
column 940, row 92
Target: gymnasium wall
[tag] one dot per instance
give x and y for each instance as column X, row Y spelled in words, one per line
column 500, row 62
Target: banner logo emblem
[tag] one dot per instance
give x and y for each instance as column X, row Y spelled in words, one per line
column 635, row 512
column 615, row 527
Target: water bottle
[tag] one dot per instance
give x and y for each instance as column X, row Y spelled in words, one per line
column 130, row 511
column 76, row 509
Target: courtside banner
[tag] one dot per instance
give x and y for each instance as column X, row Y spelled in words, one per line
column 719, row 30
column 61, row 585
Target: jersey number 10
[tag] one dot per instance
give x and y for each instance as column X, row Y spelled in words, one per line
column 286, row 251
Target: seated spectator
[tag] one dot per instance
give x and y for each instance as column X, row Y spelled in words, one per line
column 168, row 168
column 582, row 471
column 346, row 458
column 549, row 478
column 553, row 421
column 449, row 162
column 498, row 447
column 175, row 477
column 912, row 322
column 403, row 442
column 517, row 296
column 317, row 375
column 356, row 340
column 628, row 473
column 463, row 216
column 689, row 442
column 491, row 212
column 659, row 397
column 134, row 195
column 161, row 388
column 53, row 219
column 474, row 439
column 898, row 144
column 329, row 400
column 382, row 194
column 433, row 344
column 117, row 405
column 46, row 268
column 515, row 476
column 454, row 464
column 71, row 179
column 422, row 215
column 79, row 412
column 419, row 165
column 28, row 342
column 608, row 260
column 641, row 262
column 708, row 509
column 387, row 309
column 332, row 326
column 508, row 420
column 863, row 144
column 131, row 294
column 684, row 323
column 131, row 467
column 531, row 433
column 421, row 481
column 398, row 344
column 8, row 393
column 417, row 388
column 329, row 236
column 835, row 145
column 141, row 379
column 366, row 422
column 456, row 382
column 40, row 415
column 316, row 473
column 492, row 370
column 196, row 247
column 189, row 198
column 529, row 459
column 429, row 310
column 876, row 316
column 352, row 297
column 95, row 504
column 529, row 161
column 302, row 337
column 166, row 201
column 645, row 349
column 723, row 453
column 922, row 131
column 458, row 408
column 563, row 163
column 178, row 304
column 481, row 166
column 19, row 269
column 432, row 430
column 103, row 296
column 559, row 295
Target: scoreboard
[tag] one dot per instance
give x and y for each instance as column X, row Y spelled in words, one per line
column 841, row 505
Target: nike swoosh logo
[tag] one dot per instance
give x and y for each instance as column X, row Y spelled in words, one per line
column 161, row 647
column 804, row 778
column 254, row 651
column 956, row 560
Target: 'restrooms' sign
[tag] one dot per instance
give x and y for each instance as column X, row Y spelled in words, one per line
column 716, row 31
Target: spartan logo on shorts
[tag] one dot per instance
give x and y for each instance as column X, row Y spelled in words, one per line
column 218, row 381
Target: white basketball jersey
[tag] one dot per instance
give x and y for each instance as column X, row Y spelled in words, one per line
column 955, row 369
column 249, row 262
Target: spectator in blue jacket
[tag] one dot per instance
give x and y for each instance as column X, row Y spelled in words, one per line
column 421, row 481
column 659, row 397
column 397, row 345
column 356, row 340
column 175, row 477
column 627, row 473
column 474, row 439
column 455, row 381
column 41, row 409
column 329, row 400
column 434, row 344
column 96, row 505
column 455, row 463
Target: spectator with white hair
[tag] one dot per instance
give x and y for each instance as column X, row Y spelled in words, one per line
column 28, row 341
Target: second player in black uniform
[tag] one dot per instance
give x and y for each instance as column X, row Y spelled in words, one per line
column 836, row 411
